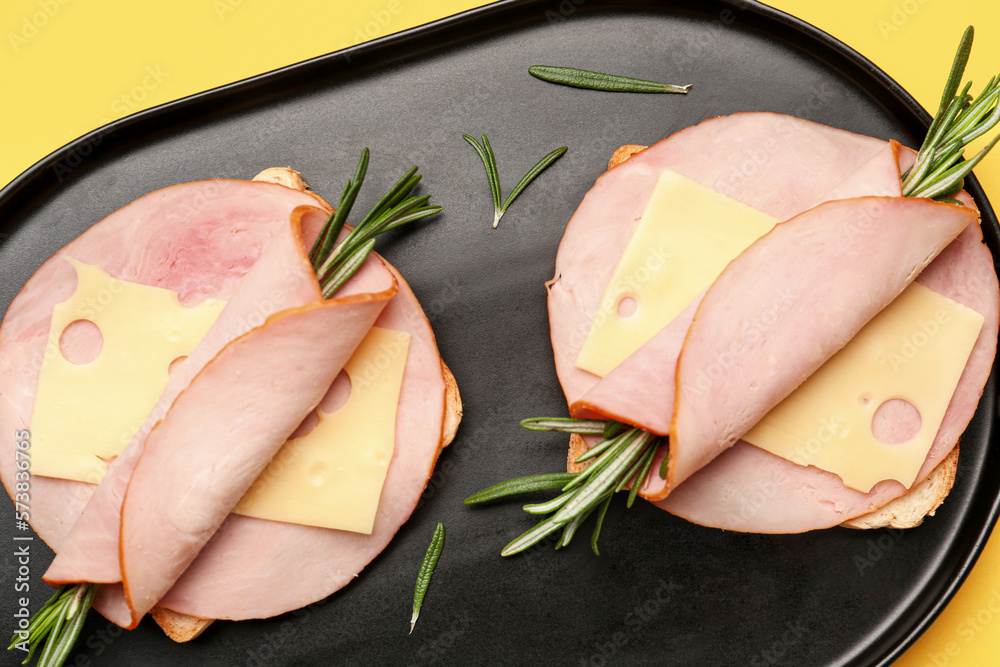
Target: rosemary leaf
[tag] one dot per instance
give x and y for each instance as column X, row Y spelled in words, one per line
column 599, row 448
column 344, row 272
column 593, row 492
column 521, row 485
column 529, row 177
column 335, row 262
column 582, row 78
column 426, row 572
column 565, row 425
column 570, row 530
column 532, row 537
column 640, row 477
column 937, row 172
column 550, row 506
column 600, row 522
column 614, row 449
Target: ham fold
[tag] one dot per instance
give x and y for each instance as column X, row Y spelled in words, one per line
column 787, row 304
column 750, row 490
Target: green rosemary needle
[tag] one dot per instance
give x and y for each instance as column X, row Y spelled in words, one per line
column 490, row 162
column 426, row 571
column 582, row 78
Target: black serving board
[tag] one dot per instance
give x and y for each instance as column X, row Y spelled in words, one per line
column 663, row 591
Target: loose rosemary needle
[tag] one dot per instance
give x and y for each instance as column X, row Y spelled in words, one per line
column 582, row 78
column 490, row 162
column 625, row 454
column 58, row 623
column 426, row 572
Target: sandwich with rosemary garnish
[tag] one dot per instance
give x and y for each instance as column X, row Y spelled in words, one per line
column 764, row 324
column 225, row 405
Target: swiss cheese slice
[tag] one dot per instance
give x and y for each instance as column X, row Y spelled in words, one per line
column 85, row 414
column 915, row 350
column 333, row 476
column 686, row 237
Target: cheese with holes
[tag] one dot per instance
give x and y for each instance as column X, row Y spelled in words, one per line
column 332, row 477
column 914, row 352
column 686, row 237
column 85, row 414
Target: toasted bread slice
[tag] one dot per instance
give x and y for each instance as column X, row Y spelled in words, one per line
column 922, row 500
column 906, row 511
column 179, row 627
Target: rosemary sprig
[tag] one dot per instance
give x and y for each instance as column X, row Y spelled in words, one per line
column 60, row 620
column 582, row 78
column 490, row 162
column 336, row 263
column 624, row 455
column 426, row 571
column 938, row 172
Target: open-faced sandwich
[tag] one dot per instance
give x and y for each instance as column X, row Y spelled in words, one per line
column 226, row 404
column 765, row 324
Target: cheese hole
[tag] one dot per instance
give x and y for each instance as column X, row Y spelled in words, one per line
column 81, row 342
column 305, row 428
column 896, row 421
column 627, row 307
column 175, row 364
column 336, row 397
column 317, row 473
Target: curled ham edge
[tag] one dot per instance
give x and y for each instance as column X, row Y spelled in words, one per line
column 879, row 175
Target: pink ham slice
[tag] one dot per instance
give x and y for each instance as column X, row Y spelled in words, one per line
column 790, row 302
column 288, row 281
column 196, row 239
column 219, row 435
column 281, row 566
column 640, row 391
column 778, row 164
column 652, row 367
column 222, row 227
column 750, row 490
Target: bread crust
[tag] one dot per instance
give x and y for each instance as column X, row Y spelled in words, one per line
column 179, row 627
column 909, row 510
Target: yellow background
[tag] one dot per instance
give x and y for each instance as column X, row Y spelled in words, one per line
column 69, row 66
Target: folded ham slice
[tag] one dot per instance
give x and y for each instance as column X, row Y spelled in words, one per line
column 819, row 278
column 777, row 164
column 750, row 490
column 223, row 429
